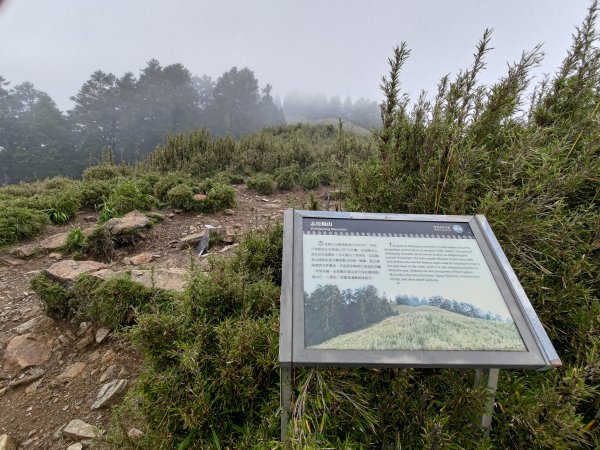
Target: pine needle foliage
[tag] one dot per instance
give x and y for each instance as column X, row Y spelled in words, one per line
column 535, row 176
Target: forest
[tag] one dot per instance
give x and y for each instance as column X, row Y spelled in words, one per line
column 439, row 301
column 329, row 312
column 131, row 116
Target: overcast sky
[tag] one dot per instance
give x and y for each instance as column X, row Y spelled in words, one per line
column 331, row 46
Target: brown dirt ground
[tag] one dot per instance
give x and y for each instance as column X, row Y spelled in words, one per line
column 33, row 418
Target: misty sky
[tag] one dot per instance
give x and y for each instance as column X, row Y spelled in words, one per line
column 335, row 46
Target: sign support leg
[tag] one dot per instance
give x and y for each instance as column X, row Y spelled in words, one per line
column 492, row 384
column 285, row 386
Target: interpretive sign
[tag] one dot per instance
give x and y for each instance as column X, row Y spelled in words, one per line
column 403, row 290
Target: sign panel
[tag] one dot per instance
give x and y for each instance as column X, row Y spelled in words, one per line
column 398, row 290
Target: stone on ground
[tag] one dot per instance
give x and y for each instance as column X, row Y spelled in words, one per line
column 130, row 222
column 27, row 250
column 25, row 351
column 78, row 429
column 35, row 325
column 142, row 258
column 135, row 433
column 68, row 270
column 55, row 242
column 7, row 443
column 168, row 279
column 102, row 334
column 110, row 393
column 75, row 446
column 10, row 262
column 34, row 374
column 192, row 240
column 72, row 371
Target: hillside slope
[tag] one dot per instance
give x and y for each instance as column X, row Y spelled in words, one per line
column 430, row 328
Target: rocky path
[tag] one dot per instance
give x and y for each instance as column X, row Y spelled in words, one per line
column 59, row 379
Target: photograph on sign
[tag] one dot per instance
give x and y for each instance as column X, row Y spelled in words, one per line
column 401, row 285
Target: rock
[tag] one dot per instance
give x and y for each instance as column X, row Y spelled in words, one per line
column 7, row 443
column 89, row 218
column 55, row 242
column 78, row 429
column 101, row 334
column 33, row 387
column 229, row 212
column 110, row 393
column 85, row 341
column 68, row 270
column 10, row 262
column 192, row 240
column 34, row 374
column 105, row 274
column 130, row 222
column 108, row 373
column 135, row 433
column 26, row 444
column 55, row 255
column 123, row 373
column 108, row 356
column 83, row 328
column 155, row 215
column 199, row 197
column 72, row 371
column 273, row 206
column 229, row 236
column 168, row 279
column 75, row 446
column 27, row 250
column 170, row 215
column 3, row 391
column 229, row 247
column 25, row 351
column 142, row 258
column 5, row 337
column 36, row 325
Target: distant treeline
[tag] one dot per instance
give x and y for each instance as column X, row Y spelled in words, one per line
column 466, row 309
column 130, row 115
column 329, row 312
column 364, row 113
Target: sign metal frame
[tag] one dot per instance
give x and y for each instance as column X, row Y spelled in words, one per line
column 539, row 354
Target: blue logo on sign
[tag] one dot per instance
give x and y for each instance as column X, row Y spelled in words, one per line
column 457, row 228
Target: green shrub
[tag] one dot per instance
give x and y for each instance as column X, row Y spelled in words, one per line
column 126, row 197
column 56, row 184
column 99, row 243
column 56, row 297
column 105, row 171
column 60, row 206
column 18, row 223
column 310, row 181
column 75, row 240
column 169, row 181
column 94, row 193
column 219, row 197
column 261, row 183
column 287, row 177
column 182, row 196
column 114, row 302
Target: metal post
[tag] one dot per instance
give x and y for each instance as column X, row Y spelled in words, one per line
column 285, row 387
column 492, row 384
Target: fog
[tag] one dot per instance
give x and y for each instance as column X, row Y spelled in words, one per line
column 334, row 47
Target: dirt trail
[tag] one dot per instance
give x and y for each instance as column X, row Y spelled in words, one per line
column 34, row 412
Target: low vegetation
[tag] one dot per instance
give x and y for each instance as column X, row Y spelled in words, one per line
column 430, row 328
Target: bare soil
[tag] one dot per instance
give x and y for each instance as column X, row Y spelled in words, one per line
column 34, row 417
